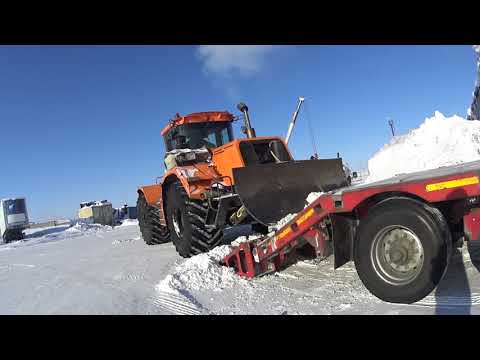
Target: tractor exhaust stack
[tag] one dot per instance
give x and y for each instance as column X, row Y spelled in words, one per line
column 249, row 131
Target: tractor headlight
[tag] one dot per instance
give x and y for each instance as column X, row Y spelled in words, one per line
column 190, row 156
column 180, row 157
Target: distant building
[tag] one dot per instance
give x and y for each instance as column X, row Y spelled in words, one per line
column 96, row 212
column 125, row 212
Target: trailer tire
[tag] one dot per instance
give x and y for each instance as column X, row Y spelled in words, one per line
column 153, row 232
column 185, row 219
column 402, row 250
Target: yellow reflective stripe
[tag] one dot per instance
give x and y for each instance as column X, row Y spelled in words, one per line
column 452, row 184
column 305, row 216
column 299, row 221
column 284, row 233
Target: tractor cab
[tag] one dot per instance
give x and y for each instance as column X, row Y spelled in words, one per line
column 197, row 130
column 190, row 138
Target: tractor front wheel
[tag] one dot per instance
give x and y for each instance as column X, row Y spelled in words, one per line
column 153, row 232
column 186, row 221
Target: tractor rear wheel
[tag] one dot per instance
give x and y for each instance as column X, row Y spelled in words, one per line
column 153, row 232
column 186, row 221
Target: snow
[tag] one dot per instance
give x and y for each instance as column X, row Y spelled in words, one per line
column 103, row 270
column 201, row 272
column 439, row 141
column 129, row 222
column 282, row 222
column 312, row 197
column 186, row 151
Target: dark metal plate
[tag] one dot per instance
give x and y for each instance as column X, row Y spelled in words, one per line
column 272, row 191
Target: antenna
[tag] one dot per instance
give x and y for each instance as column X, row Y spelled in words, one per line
column 392, row 127
column 294, row 119
column 312, row 133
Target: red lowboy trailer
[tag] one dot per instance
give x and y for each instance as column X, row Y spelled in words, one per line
column 399, row 232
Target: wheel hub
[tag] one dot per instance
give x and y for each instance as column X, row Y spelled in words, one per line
column 397, row 255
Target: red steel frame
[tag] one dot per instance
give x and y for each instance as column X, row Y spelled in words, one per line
column 255, row 258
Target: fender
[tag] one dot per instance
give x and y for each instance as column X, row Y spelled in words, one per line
column 344, row 228
column 152, row 193
column 194, row 179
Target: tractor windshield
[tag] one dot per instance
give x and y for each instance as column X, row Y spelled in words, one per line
column 198, row 135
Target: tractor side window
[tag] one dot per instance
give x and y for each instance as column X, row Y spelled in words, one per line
column 212, row 138
column 226, row 135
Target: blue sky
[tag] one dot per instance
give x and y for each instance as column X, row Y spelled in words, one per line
column 81, row 123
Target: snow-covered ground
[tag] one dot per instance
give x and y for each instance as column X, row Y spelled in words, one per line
column 104, row 270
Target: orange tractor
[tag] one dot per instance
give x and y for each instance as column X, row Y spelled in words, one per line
column 213, row 181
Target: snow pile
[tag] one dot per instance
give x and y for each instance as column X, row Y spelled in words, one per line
column 285, row 220
column 201, row 272
column 312, row 197
column 87, row 228
column 204, row 272
column 129, row 222
column 439, row 141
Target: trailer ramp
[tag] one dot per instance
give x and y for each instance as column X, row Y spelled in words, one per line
column 269, row 254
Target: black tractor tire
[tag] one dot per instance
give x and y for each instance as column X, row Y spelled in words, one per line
column 421, row 268
column 153, row 232
column 185, row 219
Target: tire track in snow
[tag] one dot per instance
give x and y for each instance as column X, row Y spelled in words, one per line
column 450, row 301
column 177, row 304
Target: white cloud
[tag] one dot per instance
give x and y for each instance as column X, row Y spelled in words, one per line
column 227, row 59
column 476, row 48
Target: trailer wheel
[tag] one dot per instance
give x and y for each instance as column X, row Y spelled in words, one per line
column 153, row 232
column 402, row 250
column 185, row 218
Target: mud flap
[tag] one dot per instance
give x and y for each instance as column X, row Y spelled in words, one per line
column 269, row 192
column 343, row 228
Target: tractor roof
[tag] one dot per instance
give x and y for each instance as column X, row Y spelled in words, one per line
column 198, row 118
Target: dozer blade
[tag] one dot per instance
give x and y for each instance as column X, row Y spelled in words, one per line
column 269, row 192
